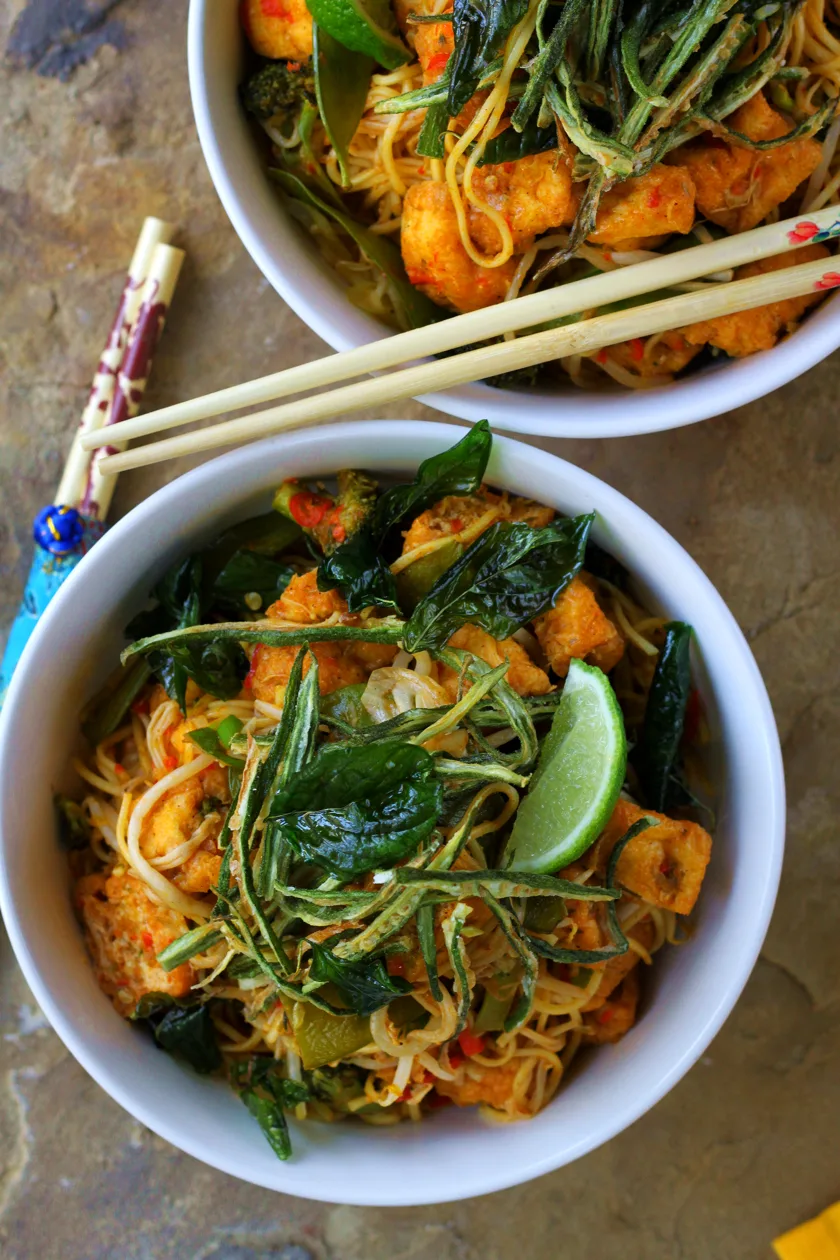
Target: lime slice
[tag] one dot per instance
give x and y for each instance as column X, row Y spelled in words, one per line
column 365, row 26
column 578, row 778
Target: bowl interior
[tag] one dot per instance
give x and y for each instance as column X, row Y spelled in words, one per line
column 295, row 269
column 456, row 1154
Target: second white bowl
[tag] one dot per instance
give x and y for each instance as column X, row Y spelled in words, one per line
column 301, row 276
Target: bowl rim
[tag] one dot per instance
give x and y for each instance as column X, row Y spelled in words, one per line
column 767, row 766
column 575, row 414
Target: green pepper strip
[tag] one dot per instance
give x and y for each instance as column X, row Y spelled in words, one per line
column 428, row 948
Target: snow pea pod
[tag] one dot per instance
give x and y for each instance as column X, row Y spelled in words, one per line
column 342, row 79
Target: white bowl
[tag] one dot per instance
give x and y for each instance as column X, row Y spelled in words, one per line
column 454, row 1155
column 293, row 266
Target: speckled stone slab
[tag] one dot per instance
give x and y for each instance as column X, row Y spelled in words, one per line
column 95, row 132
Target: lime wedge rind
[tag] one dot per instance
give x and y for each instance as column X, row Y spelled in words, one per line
column 579, row 777
column 359, row 27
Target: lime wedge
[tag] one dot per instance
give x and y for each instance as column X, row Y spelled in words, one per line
column 578, row 778
column 365, row 26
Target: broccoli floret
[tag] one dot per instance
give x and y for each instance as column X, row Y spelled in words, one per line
column 277, row 87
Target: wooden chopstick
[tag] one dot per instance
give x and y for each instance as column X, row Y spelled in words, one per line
column 463, row 330
column 580, row 338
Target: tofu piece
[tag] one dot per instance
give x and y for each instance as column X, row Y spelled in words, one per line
column 615, row 1017
column 279, row 29
column 434, row 256
column 526, row 678
column 125, row 930
column 664, row 865
column 455, row 513
column 577, row 628
column 492, row 1086
column 656, row 204
column 339, row 664
column 669, row 355
column 736, row 186
column 533, row 194
column 759, row 329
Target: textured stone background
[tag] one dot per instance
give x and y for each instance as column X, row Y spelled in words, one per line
column 748, row 1144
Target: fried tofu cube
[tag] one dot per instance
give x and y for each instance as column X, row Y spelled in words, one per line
column 532, row 194
column 456, row 513
column 125, row 931
column 653, row 205
column 433, row 43
column 664, row 865
column 526, row 678
column 339, row 664
column 492, row 1086
column 577, row 628
column 436, row 261
column 760, row 328
column 737, row 186
column 615, row 1017
column 279, row 29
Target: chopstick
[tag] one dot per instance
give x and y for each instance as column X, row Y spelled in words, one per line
column 580, row 338
column 463, row 330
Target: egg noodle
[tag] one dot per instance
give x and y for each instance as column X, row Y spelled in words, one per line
column 144, row 773
column 384, row 164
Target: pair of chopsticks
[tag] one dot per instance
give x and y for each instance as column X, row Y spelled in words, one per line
column 583, row 337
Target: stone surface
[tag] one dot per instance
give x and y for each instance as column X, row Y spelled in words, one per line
column 748, row 1144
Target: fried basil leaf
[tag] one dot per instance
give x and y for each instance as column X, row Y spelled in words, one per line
column 656, row 756
column 510, row 575
column 267, row 1095
column 364, row 986
column 357, row 568
column 182, row 1028
column 355, row 808
column 245, row 575
column 480, row 28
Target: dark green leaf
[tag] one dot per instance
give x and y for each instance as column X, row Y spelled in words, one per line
column 357, row 568
column 512, row 145
column 510, row 575
column 480, row 28
column 73, row 826
column 428, row 947
column 345, row 707
column 266, row 535
column 431, row 142
column 359, row 807
column 269, row 1116
column 184, row 1029
column 247, row 574
column 364, row 986
column 656, row 755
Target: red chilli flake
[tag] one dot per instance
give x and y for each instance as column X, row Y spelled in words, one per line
column 248, row 681
column 456, row 1057
column 654, row 199
column 140, row 707
column 469, row 1043
column 604, row 1016
column 148, row 941
column 170, row 762
column 601, row 357
column 637, row 348
column 119, row 768
column 307, row 509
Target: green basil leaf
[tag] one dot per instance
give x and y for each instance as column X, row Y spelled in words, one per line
column 357, row 568
column 269, row 1116
column 266, row 535
column 355, row 808
column 342, row 80
column 656, row 755
column 245, row 575
column 345, row 708
column 510, row 575
column 183, row 1028
column 512, row 145
column 480, row 28
column 417, row 309
column 364, row 986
